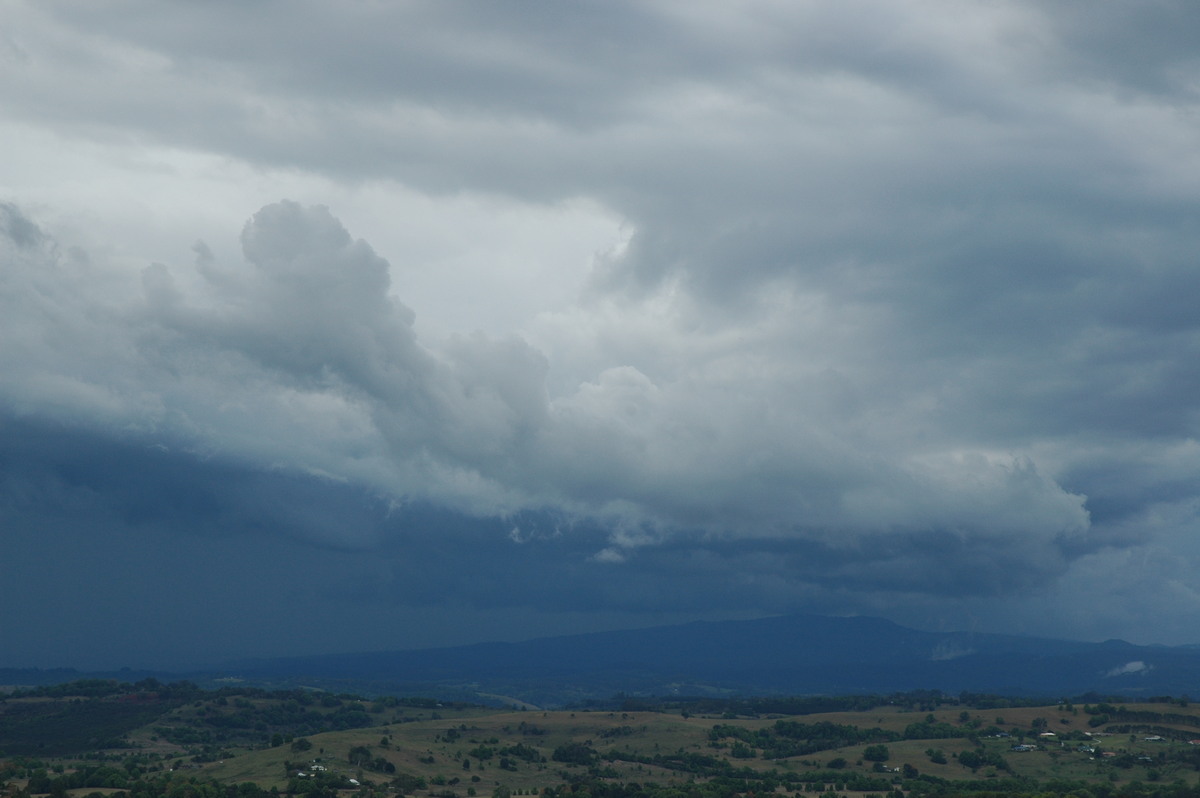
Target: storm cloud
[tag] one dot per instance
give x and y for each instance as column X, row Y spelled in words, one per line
column 538, row 318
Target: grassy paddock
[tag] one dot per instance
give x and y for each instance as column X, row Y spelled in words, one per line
column 457, row 750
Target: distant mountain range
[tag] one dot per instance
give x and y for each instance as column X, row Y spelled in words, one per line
column 789, row 655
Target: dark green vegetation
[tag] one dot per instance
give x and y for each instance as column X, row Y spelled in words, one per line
column 152, row 740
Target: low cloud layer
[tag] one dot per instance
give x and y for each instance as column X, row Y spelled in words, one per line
column 898, row 320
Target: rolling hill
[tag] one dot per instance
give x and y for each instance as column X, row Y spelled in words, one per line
column 795, row 654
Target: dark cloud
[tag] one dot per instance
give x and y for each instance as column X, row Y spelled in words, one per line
column 1130, row 50
column 640, row 480
column 181, row 546
column 20, row 231
column 901, row 323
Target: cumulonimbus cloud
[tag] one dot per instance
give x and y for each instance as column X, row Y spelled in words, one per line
column 301, row 358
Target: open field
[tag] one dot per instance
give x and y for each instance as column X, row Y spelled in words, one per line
column 436, row 750
column 320, row 745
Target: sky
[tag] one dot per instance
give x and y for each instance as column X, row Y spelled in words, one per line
column 380, row 325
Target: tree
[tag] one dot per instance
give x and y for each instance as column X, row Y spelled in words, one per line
column 359, row 755
column 970, row 759
column 574, row 754
column 876, row 753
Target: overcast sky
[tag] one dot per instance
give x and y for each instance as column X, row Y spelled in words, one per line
column 355, row 326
